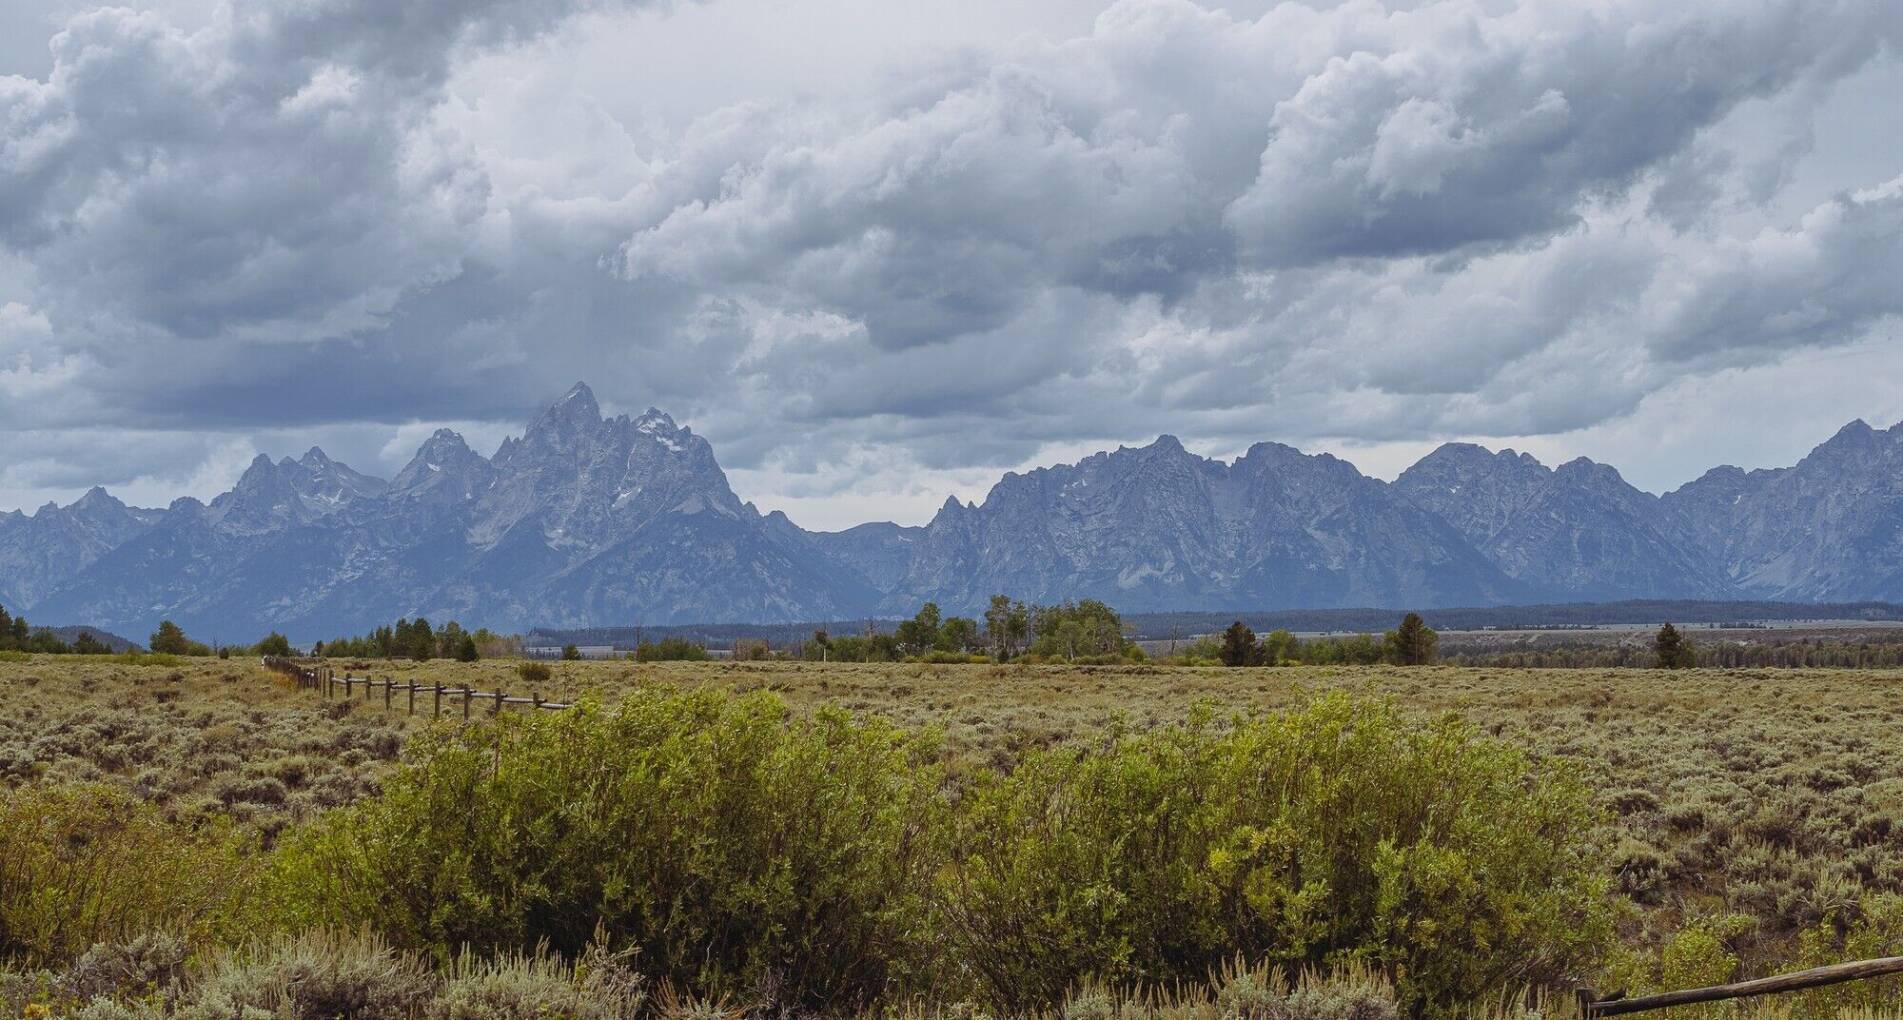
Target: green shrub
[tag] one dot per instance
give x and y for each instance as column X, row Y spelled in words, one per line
column 737, row 849
column 86, row 864
column 1330, row 834
column 533, row 672
column 672, row 649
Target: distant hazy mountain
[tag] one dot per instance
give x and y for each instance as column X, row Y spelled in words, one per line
column 1575, row 532
column 42, row 552
column 585, row 520
column 1828, row 529
column 1160, row 528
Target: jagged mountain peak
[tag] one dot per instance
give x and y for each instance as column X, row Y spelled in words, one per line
column 96, row 497
column 444, row 469
column 1474, row 457
column 575, row 415
column 1281, row 457
column 1270, row 450
column 581, row 399
column 1722, row 472
column 1855, row 439
column 261, row 474
column 445, row 440
column 1587, row 470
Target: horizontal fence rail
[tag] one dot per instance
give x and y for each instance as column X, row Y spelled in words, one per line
column 1796, row 981
column 329, row 685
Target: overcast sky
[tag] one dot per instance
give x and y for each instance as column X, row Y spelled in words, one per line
column 881, row 252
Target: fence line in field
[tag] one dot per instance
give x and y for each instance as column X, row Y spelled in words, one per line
column 1796, row 981
column 329, row 685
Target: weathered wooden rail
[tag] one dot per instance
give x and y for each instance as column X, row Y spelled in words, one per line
column 1817, row 977
column 321, row 678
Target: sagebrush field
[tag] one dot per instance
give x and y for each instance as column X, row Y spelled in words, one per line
column 1737, row 821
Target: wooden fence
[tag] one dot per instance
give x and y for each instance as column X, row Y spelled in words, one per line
column 1590, row 1005
column 329, row 685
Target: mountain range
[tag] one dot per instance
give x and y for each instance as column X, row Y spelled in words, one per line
column 591, row 520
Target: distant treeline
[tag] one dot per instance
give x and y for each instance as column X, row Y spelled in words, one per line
column 1162, row 626
column 1083, row 631
column 417, row 639
column 1412, row 643
column 16, row 635
column 1854, row 651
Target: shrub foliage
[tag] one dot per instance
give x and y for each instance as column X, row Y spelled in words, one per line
column 1332, row 834
column 733, row 846
column 81, row 864
column 822, row 863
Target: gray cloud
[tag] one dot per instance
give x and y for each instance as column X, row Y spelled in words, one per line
column 270, row 176
column 1446, row 127
column 1448, row 220
column 1819, row 283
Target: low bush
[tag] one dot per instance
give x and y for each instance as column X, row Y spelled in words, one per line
column 737, row 849
column 87, row 864
column 1330, row 834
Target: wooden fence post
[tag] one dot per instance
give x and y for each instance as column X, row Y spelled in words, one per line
column 537, row 695
column 499, row 696
column 412, row 697
column 466, row 695
column 388, row 685
column 439, row 701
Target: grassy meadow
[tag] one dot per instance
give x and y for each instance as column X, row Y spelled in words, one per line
column 1735, row 822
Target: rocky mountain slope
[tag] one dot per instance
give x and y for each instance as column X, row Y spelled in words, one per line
column 1576, row 532
column 1829, row 528
column 592, row 520
column 1160, row 528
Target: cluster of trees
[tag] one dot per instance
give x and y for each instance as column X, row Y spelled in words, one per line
column 1073, row 631
column 669, row 649
column 170, row 639
column 417, row 639
column 17, row 636
column 1413, row 643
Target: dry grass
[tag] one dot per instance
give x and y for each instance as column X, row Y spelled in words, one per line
column 206, row 737
column 1773, row 794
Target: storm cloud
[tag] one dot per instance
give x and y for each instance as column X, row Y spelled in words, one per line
column 1338, row 225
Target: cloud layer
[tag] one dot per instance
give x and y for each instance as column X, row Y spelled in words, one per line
column 1350, row 225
